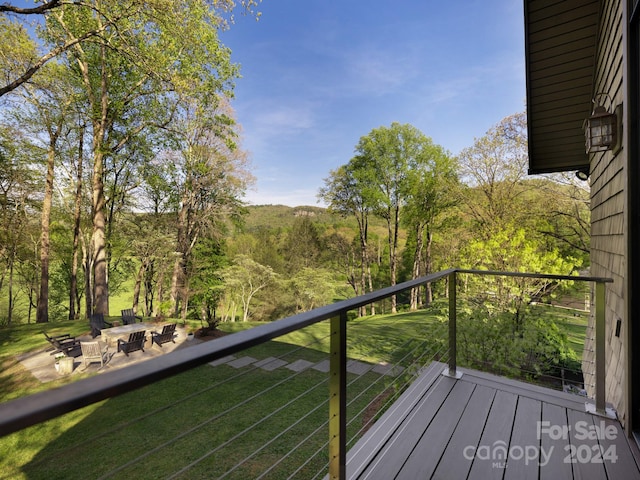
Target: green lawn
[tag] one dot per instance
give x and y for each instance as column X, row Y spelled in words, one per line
column 213, row 417
column 575, row 326
column 208, row 405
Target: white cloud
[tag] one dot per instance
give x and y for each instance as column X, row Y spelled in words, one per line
column 286, row 118
column 291, row 198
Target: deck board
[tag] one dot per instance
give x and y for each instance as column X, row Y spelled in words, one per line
column 524, row 446
column 615, row 442
column 478, row 427
column 581, row 452
column 454, row 463
column 363, row 452
column 555, row 468
column 394, row 454
column 424, row 458
column 488, row 461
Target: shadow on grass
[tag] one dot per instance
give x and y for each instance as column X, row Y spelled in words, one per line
column 201, row 420
column 194, row 417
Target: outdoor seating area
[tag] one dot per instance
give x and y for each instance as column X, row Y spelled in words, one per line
column 41, row 363
column 110, row 336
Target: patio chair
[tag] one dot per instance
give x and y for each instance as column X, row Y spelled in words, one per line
column 167, row 334
column 94, row 352
column 65, row 344
column 135, row 342
column 129, row 317
column 98, row 323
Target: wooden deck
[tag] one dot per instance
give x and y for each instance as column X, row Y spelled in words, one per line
column 483, row 426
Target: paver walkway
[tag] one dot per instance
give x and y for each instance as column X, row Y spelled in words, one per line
column 271, row 363
column 41, row 363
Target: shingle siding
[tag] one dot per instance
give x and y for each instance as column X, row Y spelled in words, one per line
column 608, row 232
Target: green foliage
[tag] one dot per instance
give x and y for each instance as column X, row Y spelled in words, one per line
column 312, row 288
column 303, row 246
column 495, row 341
column 206, row 284
column 243, row 280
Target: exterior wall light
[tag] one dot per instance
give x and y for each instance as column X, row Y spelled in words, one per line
column 583, row 175
column 600, row 129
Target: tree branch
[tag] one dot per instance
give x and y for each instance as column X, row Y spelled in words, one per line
column 8, row 8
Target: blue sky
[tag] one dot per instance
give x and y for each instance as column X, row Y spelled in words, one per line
column 319, row 74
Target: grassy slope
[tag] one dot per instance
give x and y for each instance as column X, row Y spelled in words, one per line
column 209, row 404
column 77, row 437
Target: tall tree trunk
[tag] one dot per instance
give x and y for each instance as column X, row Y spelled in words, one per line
column 42, row 311
column 137, row 285
column 176, row 286
column 87, row 268
column 362, row 311
column 185, row 304
column 10, row 287
column 370, row 281
column 73, row 290
column 393, row 221
column 363, row 224
column 178, row 279
column 428, row 297
column 148, row 289
column 160, row 290
column 417, row 260
column 100, row 285
column 98, row 202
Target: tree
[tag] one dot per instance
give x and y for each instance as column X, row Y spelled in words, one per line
column 243, row 280
column 312, row 287
column 567, row 213
column 493, row 170
column 133, row 83
column 47, row 110
column 432, row 179
column 302, row 247
column 108, row 32
column 211, row 176
column 346, row 192
column 206, row 284
column 385, row 158
column 18, row 191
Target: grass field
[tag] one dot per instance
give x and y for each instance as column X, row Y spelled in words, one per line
column 207, row 421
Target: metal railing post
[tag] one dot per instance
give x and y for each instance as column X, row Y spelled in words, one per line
column 338, row 398
column 452, row 325
column 600, row 347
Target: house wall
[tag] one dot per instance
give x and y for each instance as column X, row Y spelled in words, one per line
column 608, row 237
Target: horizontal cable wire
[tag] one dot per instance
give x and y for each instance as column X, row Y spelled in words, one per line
column 130, row 422
column 371, row 385
column 407, row 421
column 202, row 424
column 392, row 398
column 317, row 452
column 273, row 439
column 298, row 445
column 279, row 409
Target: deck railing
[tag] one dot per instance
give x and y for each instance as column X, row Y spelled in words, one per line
column 27, row 411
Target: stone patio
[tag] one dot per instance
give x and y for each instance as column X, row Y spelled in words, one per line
column 41, row 363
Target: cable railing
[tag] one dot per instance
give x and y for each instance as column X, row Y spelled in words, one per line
column 322, row 444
